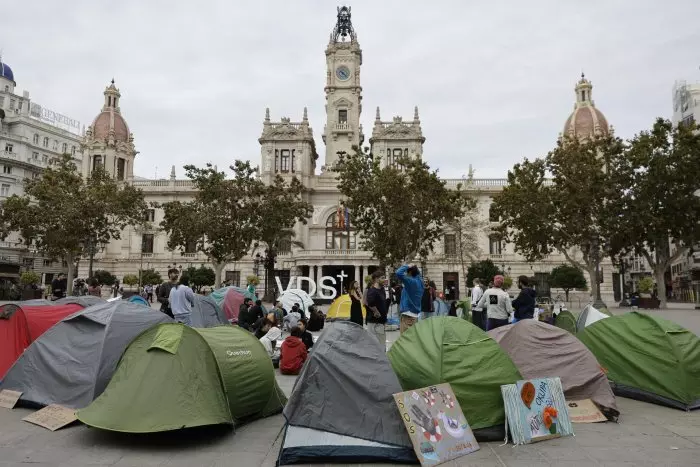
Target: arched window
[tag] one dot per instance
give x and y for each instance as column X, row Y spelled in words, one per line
column 340, row 234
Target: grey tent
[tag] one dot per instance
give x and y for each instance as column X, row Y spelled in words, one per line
column 540, row 350
column 206, row 313
column 83, row 300
column 341, row 408
column 32, row 302
column 71, row 363
column 588, row 316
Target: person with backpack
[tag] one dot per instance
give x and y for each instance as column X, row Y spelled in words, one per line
column 164, row 291
column 497, row 304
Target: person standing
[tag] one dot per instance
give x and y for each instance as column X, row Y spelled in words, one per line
column 164, row 291
column 58, row 289
column 478, row 318
column 524, row 304
column 377, row 307
column 181, row 301
column 356, row 303
column 497, row 303
column 427, row 300
column 149, row 293
column 411, row 294
column 94, row 289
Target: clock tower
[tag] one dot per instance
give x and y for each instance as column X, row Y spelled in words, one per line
column 343, row 90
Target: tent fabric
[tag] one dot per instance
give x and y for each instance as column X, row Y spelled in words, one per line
column 648, row 358
column 451, row 350
column 72, row 362
column 588, row 316
column 230, row 300
column 340, row 308
column 32, row 302
column 206, row 313
column 138, row 300
column 83, row 300
column 543, row 351
column 291, row 296
column 341, row 408
column 20, row 325
column 219, row 375
column 566, row 320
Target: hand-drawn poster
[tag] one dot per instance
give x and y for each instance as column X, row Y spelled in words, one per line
column 536, row 410
column 436, row 425
column 585, row 411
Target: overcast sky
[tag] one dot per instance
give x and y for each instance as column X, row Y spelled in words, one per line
column 493, row 80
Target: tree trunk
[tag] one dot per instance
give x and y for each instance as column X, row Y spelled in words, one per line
column 566, row 294
column 595, row 283
column 268, row 294
column 660, row 284
column 92, row 259
column 218, row 269
column 71, row 273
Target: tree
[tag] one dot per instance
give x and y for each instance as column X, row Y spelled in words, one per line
column 104, row 277
column 566, row 213
column 222, row 220
column 61, row 213
column 29, row 278
column 130, row 280
column 281, row 207
column 567, row 277
column 401, row 211
column 199, row 277
column 484, row 270
column 655, row 206
column 150, row 276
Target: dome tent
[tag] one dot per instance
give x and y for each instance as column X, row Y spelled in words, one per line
column 206, row 313
column 86, row 347
column 219, row 375
column 291, row 296
column 452, row 350
column 647, row 358
column 529, row 344
column 340, row 308
column 341, row 408
column 84, row 300
column 588, row 316
column 230, row 299
column 566, row 320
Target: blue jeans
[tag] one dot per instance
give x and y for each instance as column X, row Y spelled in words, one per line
column 185, row 318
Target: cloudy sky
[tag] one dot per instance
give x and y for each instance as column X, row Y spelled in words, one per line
column 493, row 80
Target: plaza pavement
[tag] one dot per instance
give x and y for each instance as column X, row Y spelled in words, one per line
column 646, row 435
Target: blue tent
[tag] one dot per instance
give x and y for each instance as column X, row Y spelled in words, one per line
column 139, row 300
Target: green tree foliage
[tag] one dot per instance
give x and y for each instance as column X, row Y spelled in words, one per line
column 130, row 280
column 150, row 276
column 567, row 277
column 104, row 277
column 222, row 219
column 199, row 277
column 565, row 213
column 401, row 211
column 655, row 184
column 645, row 284
column 29, row 278
column 61, row 213
column 484, row 270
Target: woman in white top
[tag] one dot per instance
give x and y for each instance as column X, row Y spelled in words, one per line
column 271, row 336
column 497, row 303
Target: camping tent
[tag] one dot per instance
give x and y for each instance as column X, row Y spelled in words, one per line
column 647, row 358
column 340, row 308
column 84, row 300
column 32, row 302
column 342, row 409
column 20, row 325
column 543, row 351
column 230, row 300
column 566, row 320
column 138, row 300
column 588, row 316
column 71, row 363
column 451, row 350
column 213, row 376
column 206, row 313
column 291, row 296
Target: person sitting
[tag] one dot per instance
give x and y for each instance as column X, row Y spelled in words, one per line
column 291, row 320
column 316, row 319
column 293, row 353
column 269, row 341
column 306, row 337
column 279, row 312
column 246, row 319
column 258, row 327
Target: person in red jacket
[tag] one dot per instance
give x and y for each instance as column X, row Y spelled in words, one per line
column 292, row 353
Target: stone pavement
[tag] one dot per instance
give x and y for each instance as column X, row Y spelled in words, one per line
column 647, row 435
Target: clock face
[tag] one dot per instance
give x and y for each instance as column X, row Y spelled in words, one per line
column 343, row 73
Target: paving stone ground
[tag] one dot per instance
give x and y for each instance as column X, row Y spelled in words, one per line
column 646, row 435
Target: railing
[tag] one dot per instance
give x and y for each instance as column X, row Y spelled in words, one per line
column 342, row 126
column 188, row 255
column 284, row 124
column 9, row 155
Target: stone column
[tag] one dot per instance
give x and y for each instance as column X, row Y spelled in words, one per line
column 315, row 276
column 357, row 276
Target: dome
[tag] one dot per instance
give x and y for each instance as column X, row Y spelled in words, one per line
column 102, row 124
column 6, row 72
column 586, row 120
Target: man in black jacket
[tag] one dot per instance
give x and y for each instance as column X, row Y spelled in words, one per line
column 524, row 304
column 306, row 337
column 164, row 291
column 377, row 307
column 246, row 319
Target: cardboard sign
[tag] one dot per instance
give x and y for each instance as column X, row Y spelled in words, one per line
column 435, row 423
column 536, row 410
column 52, row 417
column 585, row 411
column 8, row 398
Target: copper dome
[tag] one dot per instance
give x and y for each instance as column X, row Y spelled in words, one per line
column 103, row 123
column 585, row 120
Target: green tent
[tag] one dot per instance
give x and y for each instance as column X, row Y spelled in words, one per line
column 567, row 321
column 647, row 358
column 174, row 376
column 451, row 350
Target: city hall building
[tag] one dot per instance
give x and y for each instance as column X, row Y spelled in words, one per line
column 288, row 148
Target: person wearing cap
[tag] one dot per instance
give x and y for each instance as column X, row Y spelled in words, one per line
column 411, row 295
column 496, row 301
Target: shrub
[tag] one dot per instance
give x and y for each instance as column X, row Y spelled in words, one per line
column 131, row 279
column 645, row 284
column 29, row 278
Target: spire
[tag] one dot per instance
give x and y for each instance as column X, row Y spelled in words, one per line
column 112, row 96
column 415, row 114
column 306, row 115
column 343, row 27
column 267, row 115
column 377, row 118
column 584, row 90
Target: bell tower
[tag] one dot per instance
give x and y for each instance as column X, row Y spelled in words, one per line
column 343, row 90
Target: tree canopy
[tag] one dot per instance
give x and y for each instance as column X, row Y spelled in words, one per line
column 104, row 277
column 401, row 210
column 567, row 277
column 199, row 277
column 61, row 212
column 150, row 277
column 484, row 270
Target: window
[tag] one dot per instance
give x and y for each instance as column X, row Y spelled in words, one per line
column 150, row 215
column 493, row 215
column 72, row 151
column 36, row 138
column 7, row 89
column 48, row 278
column 7, row 169
column 45, row 159
column 2, row 102
column 8, row 147
column 46, row 141
column 583, row 95
column 293, row 159
column 55, row 145
column 28, row 262
column 233, row 277
column 689, row 120
column 65, row 148
column 121, row 168
column 4, row 190
column 343, row 116
column 35, row 156
column 494, row 245
column 12, row 104
column 64, row 263
column 284, row 160
column 450, row 243
column 48, row 263
column 191, row 247
column 277, row 160
column 147, row 243
column 285, row 246
column 96, row 162
column 339, row 233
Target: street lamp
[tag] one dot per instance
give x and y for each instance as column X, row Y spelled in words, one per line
column 257, row 261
